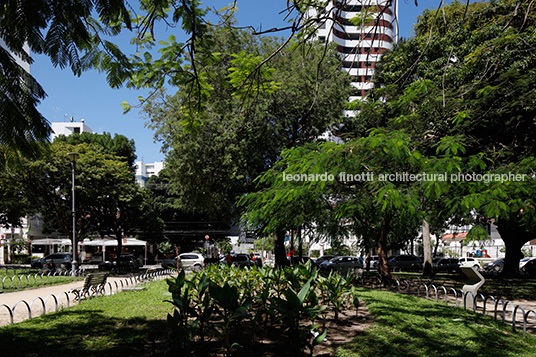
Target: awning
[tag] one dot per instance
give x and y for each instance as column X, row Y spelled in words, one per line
column 51, row 241
column 110, row 242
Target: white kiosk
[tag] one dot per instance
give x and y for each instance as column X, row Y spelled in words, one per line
column 476, row 280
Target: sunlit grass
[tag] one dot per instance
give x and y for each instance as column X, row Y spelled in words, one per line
column 124, row 324
column 410, row 326
column 15, row 280
column 134, row 324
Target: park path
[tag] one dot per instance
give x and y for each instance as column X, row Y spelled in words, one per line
column 36, row 298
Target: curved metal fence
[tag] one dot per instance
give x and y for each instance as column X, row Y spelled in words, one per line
column 16, row 280
column 459, row 298
column 67, row 298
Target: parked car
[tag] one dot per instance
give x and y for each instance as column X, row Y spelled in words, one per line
column 296, row 259
column 342, row 265
column 524, row 262
column 240, row 260
column 126, row 262
column 322, row 259
column 446, row 264
column 185, row 260
column 529, row 268
column 62, row 261
column 191, row 260
column 470, row 262
column 405, row 262
column 494, row 266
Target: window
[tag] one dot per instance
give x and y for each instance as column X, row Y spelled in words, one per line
column 76, row 130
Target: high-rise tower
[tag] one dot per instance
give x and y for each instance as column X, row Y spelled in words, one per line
column 363, row 30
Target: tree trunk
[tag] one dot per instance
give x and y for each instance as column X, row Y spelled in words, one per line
column 514, row 236
column 427, row 247
column 383, row 267
column 300, row 242
column 279, row 249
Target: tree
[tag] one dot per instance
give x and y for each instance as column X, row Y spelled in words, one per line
column 186, row 229
column 67, row 33
column 108, row 200
column 469, row 76
column 118, row 145
column 213, row 165
column 352, row 180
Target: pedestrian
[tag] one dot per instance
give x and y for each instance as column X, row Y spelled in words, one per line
column 51, row 267
column 229, row 259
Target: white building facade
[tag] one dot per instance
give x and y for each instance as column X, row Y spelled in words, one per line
column 144, row 171
column 363, row 30
column 69, row 128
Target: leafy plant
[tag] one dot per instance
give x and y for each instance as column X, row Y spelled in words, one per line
column 336, row 288
column 292, row 308
column 182, row 327
column 229, row 307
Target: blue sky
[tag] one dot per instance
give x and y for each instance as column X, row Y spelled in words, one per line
column 90, row 98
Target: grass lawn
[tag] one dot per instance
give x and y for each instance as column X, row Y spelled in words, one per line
column 410, row 326
column 124, row 324
column 509, row 288
column 134, row 324
column 29, row 280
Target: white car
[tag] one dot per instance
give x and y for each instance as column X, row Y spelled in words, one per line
column 469, row 262
column 524, row 262
column 191, row 260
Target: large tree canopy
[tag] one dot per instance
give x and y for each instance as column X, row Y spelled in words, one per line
column 238, row 141
column 354, row 183
column 469, row 74
column 108, row 200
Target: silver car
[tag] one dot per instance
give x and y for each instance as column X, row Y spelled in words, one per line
column 342, row 265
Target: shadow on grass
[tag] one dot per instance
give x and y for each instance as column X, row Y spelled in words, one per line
column 409, row 326
column 86, row 333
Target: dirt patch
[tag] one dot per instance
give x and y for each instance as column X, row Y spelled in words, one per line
column 343, row 332
column 273, row 340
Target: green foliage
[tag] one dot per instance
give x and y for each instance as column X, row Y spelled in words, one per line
column 336, row 289
column 343, row 183
column 108, row 200
column 118, row 145
column 222, row 298
column 245, row 125
column 266, row 243
column 67, row 34
column 224, row 246
column 165, row 247
column 462, row 90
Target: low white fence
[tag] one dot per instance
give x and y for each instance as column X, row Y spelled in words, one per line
column 23, row 310
column 499, row 306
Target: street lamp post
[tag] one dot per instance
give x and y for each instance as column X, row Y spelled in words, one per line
column 73, row 156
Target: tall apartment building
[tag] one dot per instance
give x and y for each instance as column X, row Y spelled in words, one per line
column 363, row 30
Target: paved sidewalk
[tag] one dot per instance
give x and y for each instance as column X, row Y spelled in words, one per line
column 35, row 298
